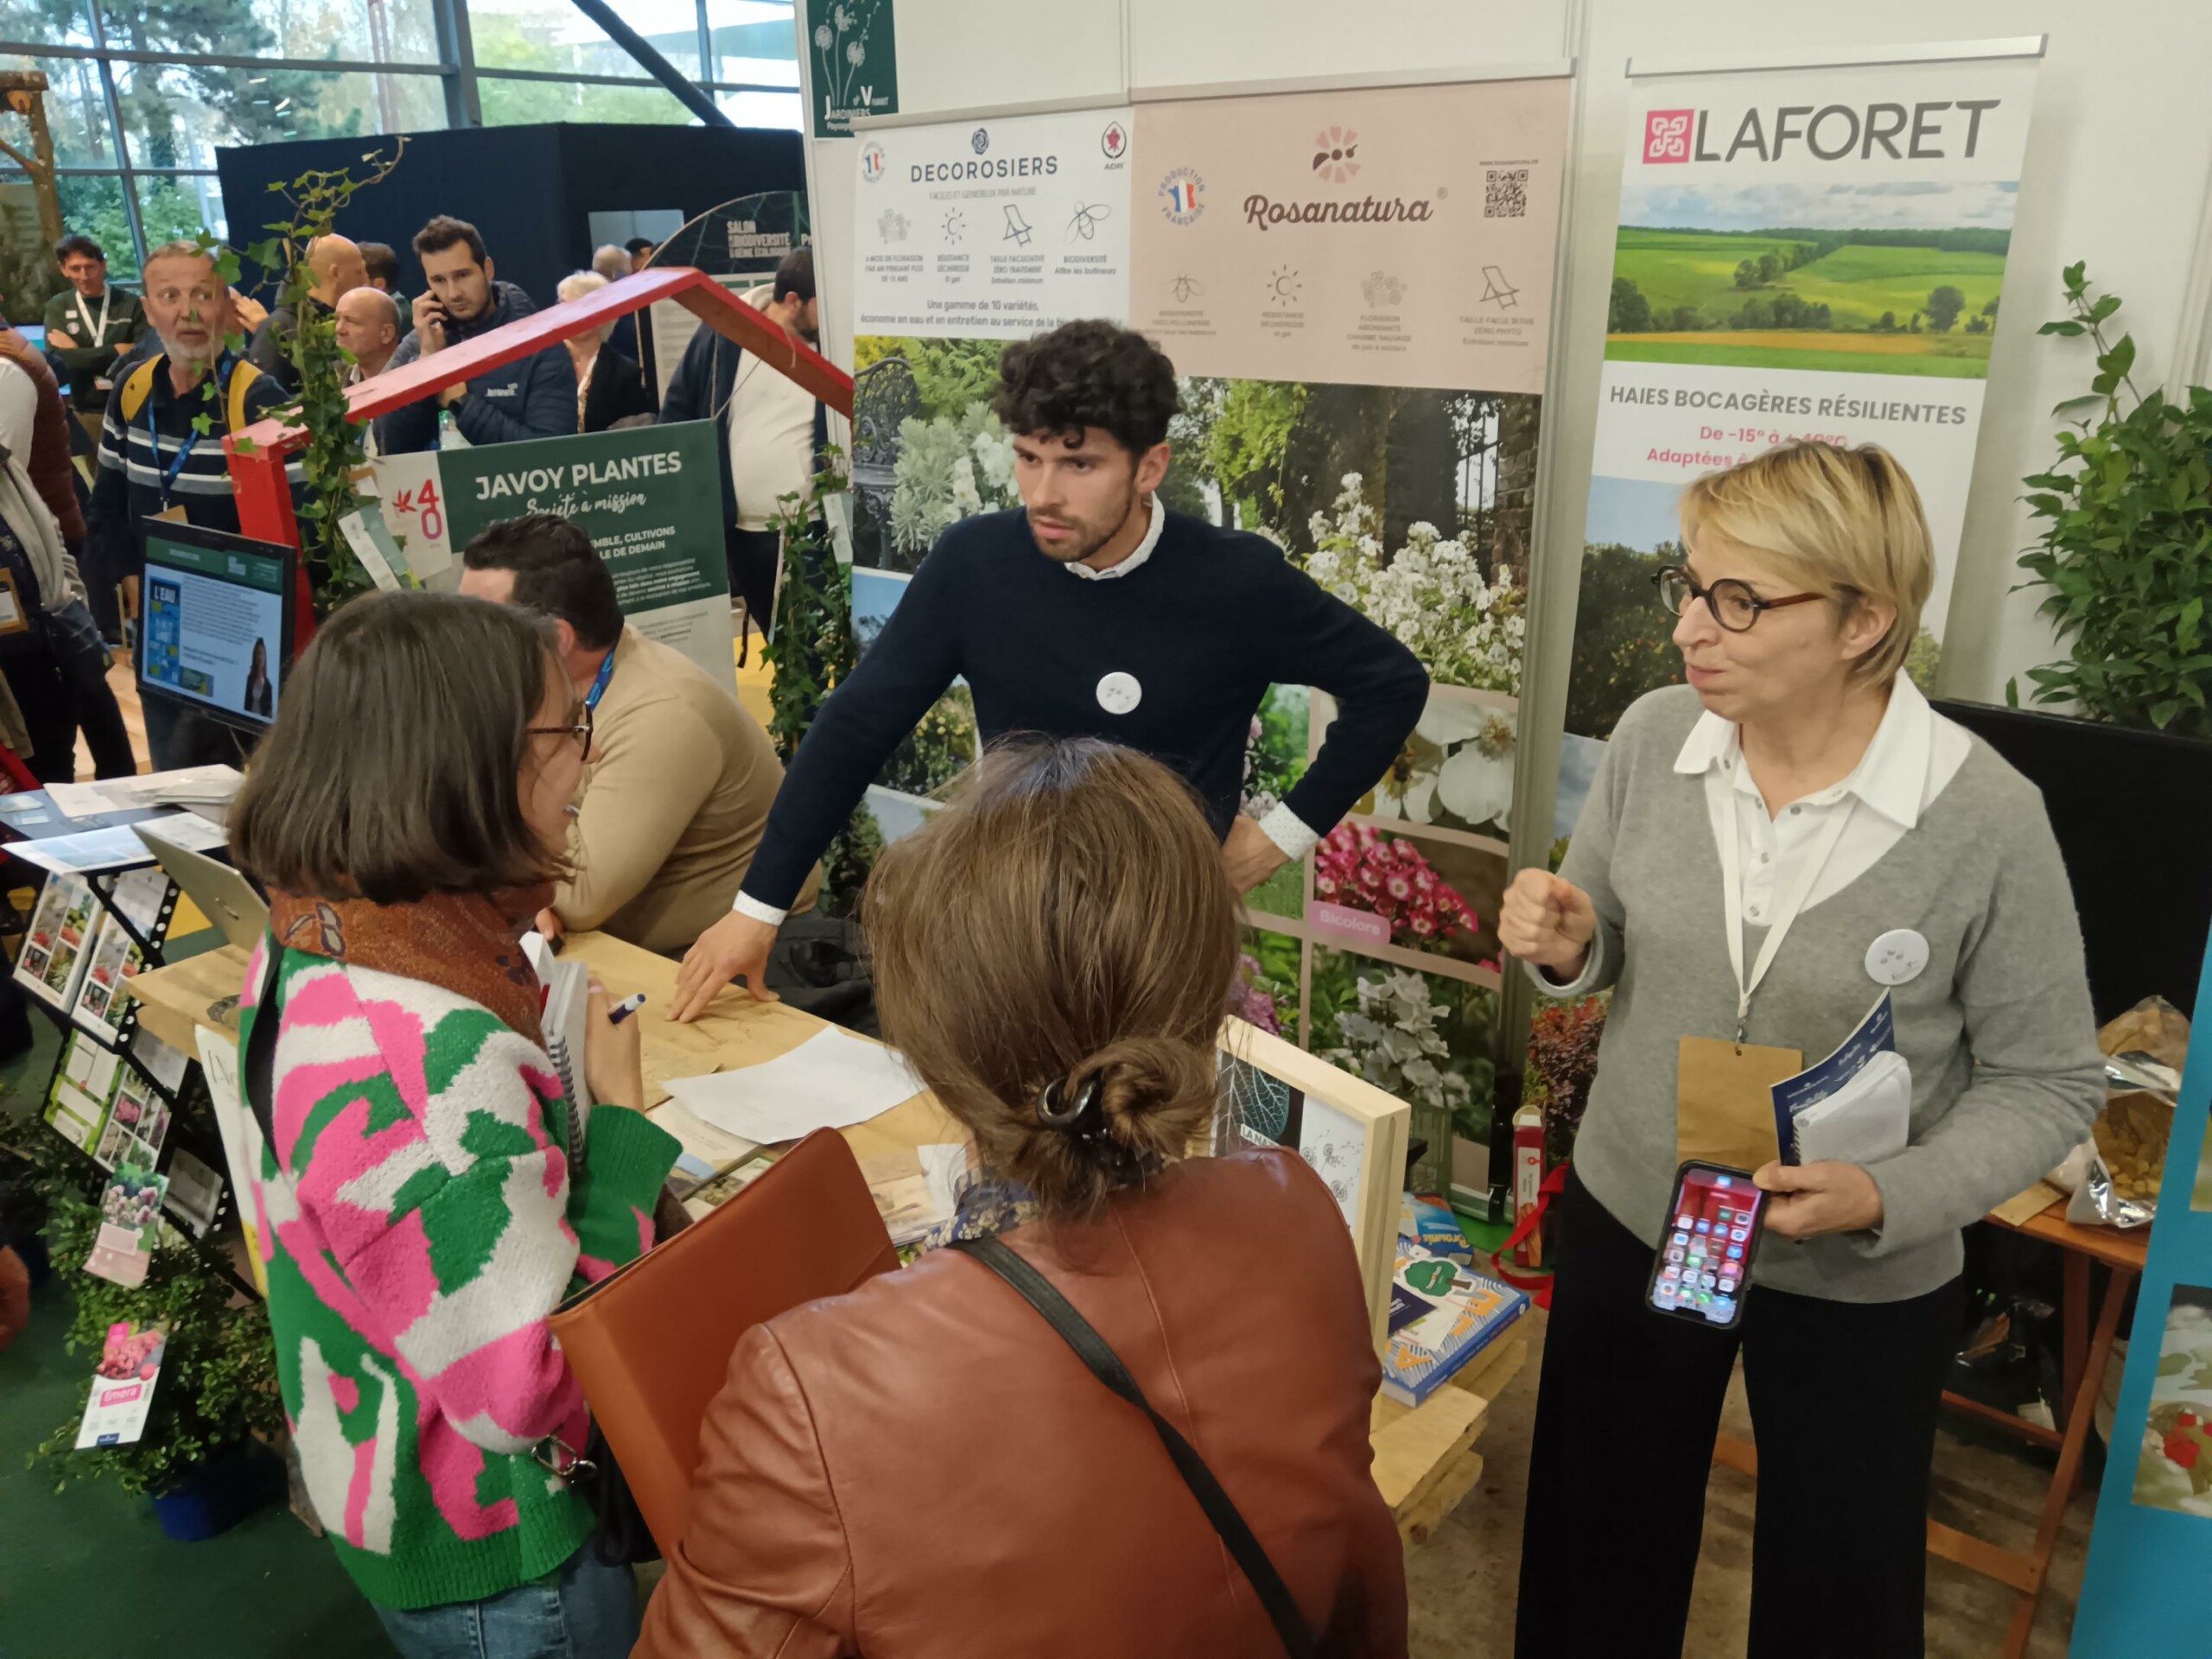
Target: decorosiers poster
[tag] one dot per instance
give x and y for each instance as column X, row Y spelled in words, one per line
column 1355, row 287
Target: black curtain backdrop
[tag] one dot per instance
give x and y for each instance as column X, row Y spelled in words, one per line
column 530, row 190
column 2129, row 809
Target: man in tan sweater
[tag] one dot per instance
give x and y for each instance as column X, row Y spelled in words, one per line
column 679, row 780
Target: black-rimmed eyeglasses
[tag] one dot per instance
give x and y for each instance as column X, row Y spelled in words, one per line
column 1734, row 605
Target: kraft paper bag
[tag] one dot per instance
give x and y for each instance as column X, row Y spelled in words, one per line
column 1724, row 1111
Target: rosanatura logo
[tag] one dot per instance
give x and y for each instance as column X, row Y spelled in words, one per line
column 1335, row 153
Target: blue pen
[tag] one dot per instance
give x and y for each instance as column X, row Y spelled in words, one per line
column 624, row 1008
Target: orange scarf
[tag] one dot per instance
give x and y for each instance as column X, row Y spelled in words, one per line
column 466, row 943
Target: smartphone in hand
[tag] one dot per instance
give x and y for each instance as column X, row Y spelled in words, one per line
column 1703, row 1269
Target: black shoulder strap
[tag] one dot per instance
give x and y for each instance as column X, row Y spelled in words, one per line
column 1106, row 1365
column 258, row 1065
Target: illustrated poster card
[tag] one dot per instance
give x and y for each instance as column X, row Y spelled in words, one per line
column 1392, row 237
column 994, row 229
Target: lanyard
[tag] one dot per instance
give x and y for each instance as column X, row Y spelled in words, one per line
column 599, row 685
column 191, row 441
column 1732, row 863
column 99, row 334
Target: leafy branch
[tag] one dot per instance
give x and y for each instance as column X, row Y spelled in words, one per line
column 2126, row 549
column 335, row 453
column 811, row 649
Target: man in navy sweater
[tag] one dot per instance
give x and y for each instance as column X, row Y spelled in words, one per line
column 534, row 397
column 1094, row 612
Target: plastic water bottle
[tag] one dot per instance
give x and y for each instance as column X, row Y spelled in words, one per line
column 449, row 435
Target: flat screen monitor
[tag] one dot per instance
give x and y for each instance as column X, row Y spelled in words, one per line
column 2129, row 809
column 218, row 622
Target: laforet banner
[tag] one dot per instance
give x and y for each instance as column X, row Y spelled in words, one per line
column 650, row 497
column 1802, row 253
column 1356, row 288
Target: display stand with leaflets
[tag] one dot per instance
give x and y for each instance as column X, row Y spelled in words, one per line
column 118, row 1092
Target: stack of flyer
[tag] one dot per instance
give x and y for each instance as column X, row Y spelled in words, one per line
column 1441, row 1316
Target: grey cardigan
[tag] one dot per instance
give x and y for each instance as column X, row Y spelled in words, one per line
column 2006, row 1076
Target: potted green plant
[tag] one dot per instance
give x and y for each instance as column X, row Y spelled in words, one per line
column 2125, row 549
column 216, row 1394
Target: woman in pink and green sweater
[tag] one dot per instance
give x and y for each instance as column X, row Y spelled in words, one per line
column 430, row 1195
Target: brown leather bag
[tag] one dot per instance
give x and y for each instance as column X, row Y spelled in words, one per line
column 651, row 1343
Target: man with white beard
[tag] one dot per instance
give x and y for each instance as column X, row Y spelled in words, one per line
column 155, row 462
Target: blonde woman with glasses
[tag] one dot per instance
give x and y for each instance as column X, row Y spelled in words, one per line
column 1764, row 853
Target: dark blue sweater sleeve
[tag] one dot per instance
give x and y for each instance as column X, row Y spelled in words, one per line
column 906, row 670
column 692, row 388
column 547, row 408
column 1380, row 688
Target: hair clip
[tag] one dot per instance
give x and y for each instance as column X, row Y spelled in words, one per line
column 1053, row 1115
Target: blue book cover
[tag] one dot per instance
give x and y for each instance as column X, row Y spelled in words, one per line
column 1877, row 1034
column 1451, row 1315
column 1426, row 1223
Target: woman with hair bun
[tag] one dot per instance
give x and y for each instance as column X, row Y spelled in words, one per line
column 926, row 1467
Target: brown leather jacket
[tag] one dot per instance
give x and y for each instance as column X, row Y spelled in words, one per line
column 49, row 462
column 923, row 1469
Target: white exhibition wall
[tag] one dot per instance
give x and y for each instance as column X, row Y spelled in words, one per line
column 2118, row 170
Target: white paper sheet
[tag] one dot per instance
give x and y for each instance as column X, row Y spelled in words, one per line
column 944, row 1166
column 132, row 794
column 117, row 848
column 829, row 1081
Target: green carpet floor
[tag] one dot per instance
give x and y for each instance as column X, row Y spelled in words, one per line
column 86, row 1572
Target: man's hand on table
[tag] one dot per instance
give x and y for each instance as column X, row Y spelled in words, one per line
column 736, row 947
column 1250, row 854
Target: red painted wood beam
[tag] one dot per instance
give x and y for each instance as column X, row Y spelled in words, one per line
column 426, row 377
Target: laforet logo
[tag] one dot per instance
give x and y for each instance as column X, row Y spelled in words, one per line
column 1336, row 160
column 1933, row 130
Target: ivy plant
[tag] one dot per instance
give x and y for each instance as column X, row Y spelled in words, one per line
column 335, row 453
column 2126, row 548
column 811, row 649
column 217, row 1382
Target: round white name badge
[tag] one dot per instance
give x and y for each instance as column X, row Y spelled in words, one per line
column 1118, row 693
column 1898, row 957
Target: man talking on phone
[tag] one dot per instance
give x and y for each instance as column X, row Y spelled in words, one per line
column 1091, row 611
column 533, row 398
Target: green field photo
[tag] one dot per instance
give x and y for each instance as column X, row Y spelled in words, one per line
column 1865, row 280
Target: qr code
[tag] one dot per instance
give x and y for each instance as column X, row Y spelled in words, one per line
column 1505, row 192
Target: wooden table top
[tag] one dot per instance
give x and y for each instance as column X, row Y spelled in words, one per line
column 735, row 1031
column 2114, row 1246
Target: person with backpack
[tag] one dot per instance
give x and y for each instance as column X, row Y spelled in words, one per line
column 931, row 1465
column 156, row 463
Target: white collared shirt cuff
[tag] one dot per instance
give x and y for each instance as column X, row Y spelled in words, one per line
column 746, row 905
column 1289, row 831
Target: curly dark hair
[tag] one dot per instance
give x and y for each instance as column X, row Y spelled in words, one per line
column 1089, row 374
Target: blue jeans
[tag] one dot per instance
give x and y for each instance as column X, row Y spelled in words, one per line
column 589, row 1612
